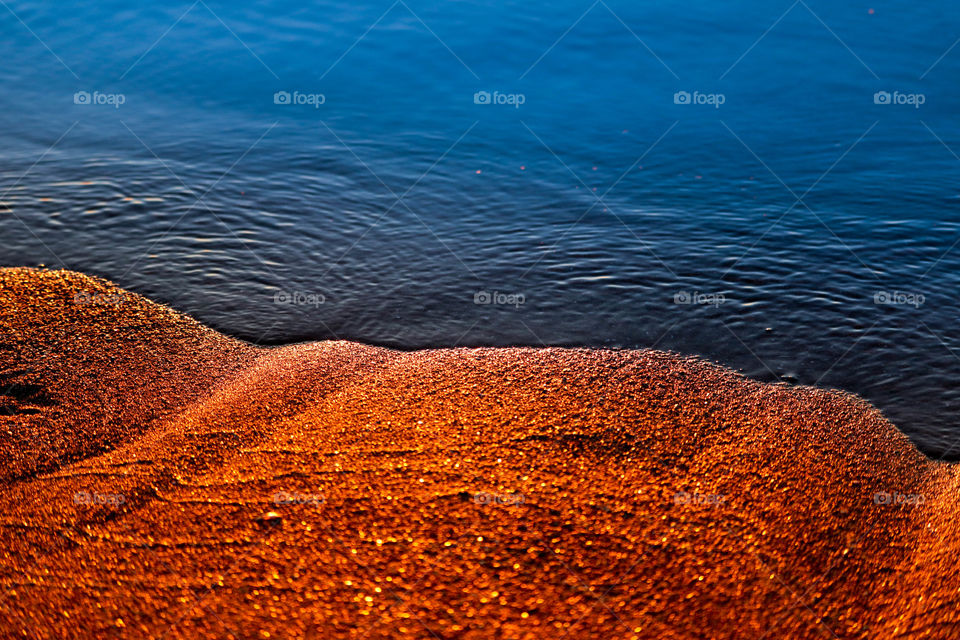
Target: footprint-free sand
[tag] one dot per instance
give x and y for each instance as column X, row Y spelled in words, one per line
column 161, row 480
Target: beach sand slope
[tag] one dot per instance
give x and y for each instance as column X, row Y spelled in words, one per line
column 162, row 480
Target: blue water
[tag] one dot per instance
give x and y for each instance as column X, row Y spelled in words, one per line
column 583, row 201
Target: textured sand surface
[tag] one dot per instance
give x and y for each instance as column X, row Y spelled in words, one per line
column 162, row 480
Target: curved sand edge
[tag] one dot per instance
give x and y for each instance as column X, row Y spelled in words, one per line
column 85, row 365
column 443, row 493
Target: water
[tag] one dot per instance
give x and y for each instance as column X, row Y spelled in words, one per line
column 584, row 214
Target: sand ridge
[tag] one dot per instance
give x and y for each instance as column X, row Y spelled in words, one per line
column 336, row 490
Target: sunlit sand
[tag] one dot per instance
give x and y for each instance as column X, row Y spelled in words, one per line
column 163, row 480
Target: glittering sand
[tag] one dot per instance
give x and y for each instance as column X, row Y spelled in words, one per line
column 162, row 480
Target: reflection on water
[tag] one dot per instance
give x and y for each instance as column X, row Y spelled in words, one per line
column 476, row 174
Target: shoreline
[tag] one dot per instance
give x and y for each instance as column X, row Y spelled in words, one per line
column 454, row 493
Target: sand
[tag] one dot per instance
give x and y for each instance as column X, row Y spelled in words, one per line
column 161, row 480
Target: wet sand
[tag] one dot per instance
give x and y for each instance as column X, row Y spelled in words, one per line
column 162, row 480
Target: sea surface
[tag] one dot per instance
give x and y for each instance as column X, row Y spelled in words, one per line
column 772, row 185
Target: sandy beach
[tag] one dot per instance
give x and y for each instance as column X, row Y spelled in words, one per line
column 161, row 480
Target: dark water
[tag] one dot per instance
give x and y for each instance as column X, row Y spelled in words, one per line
column 582, row 201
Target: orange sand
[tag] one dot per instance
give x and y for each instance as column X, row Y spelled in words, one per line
column 162, row 480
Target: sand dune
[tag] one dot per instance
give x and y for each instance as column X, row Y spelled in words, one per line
column 162, row 480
